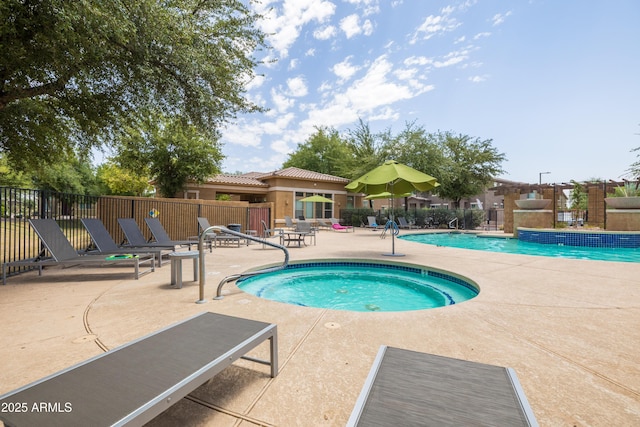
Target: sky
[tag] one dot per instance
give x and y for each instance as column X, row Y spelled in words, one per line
column 555, row 84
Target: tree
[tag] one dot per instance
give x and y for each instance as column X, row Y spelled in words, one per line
column 170, row 150
column 415, row 147
column 469, row 165
column 578, row 201
column 72, row 175
column 367, row 150
column 12, row 178
column 73, row 74
column 324, row 152
column 122, row 182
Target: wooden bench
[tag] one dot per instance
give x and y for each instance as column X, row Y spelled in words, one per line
column 132, row 384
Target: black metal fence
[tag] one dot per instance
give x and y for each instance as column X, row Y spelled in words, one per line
column 19, row 242
column 469, row 219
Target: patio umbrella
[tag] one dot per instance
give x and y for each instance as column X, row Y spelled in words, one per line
column 394, row 178
column 386, row 195
column 316, row 198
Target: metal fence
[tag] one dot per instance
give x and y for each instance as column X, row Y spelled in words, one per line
column 19, row 242
column 469, row 219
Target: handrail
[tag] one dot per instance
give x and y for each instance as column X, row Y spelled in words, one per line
column 392, row 227
column 238, row 275
column 452, row 221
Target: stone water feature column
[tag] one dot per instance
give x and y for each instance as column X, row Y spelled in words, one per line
column 532, row 213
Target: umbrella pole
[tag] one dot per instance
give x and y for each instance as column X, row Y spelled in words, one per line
column 392, row 228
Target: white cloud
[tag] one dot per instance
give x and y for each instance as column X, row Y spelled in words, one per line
column 367, row 28
column 499, row 18
column 297, row 87
column 370, row 97
column 344, row 70
column 284, row 24
column 281, row 102
column 452, row 58
column 481, row 35
column 369, row 7
column 310, row 52
column 434, row 25
column 418, row 60
column 325, row 33
column 350, row 25
column 478, row 79
column 293, row 64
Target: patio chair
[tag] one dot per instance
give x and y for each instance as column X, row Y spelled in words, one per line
column 267, row 232
column 289, row 222
column 402, row 223
column 64, row 254
column 411, row 388
column 323, row 224
column 105, row 244
column 133, row 383
column 216, row 238
column 335, row 225
column 372, row 223
column 134, row 237
column 305, row 228
column 162, row 237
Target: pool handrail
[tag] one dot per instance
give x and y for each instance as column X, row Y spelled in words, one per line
column 237, row 276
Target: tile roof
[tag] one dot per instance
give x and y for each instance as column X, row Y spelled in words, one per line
column 237, row 180
column 258, row 178
column 298, row 173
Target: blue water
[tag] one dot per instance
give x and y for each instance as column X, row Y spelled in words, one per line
column 515, row 246
column 360, row 287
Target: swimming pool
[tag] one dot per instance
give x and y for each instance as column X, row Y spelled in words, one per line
column 361, row 286
column 515, row 246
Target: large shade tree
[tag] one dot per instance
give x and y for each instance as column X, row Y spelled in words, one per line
column 324, row 151
column 171, row 151
column 468, row 165
column 74, row 73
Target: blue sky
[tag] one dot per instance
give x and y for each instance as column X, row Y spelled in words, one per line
column 554, row 83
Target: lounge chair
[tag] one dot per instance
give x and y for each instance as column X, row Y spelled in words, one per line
column 410, row 388
column 323, row 224
column 216, row 238
column 105, row 244
column 134, row 237
column 402, row 223
column 162, row 237
column 335, row 224
column 63, row 253
column 372, row 223
column 132, row 384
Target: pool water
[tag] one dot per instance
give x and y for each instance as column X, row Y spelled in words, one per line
column 515, row 246
column 359, row 286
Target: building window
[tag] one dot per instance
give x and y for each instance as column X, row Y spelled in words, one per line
column 313, row 209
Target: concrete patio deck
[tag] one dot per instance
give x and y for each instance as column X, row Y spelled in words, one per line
column 569, row 328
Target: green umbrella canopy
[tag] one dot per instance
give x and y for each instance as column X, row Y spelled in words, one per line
column 392, row 177
column 317, row 199
column 386, row 195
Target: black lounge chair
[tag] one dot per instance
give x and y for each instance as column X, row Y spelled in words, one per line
column 63, row 253
column 104, row 243
column 132, row 384
column 162, row 237
column 411, row 388
column 134, row 237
